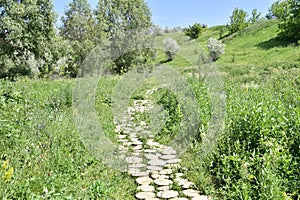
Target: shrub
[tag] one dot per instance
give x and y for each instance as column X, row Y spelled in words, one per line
column 194, row 31
column 238, row 20
column 171, row 48
column 215, row 48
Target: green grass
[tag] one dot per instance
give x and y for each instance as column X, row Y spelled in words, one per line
column 256, row 157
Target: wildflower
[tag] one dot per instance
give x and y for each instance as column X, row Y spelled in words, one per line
column 7, row 175
column 5, row 165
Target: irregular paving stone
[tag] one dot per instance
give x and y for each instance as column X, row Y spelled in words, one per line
column 140, row 174
column 151, row 143
column 166, row 172
column 157, row 162
column 163, row 188
column 187, row 185
column 179, row 175
column 146, row 188
column 168, row 151
column 168, row 157
column 173, row 161
column 137, row 165
column 154, row 168
column 121, row 136
column 144, row 180
column 149, row 150
column 190, row 193
column 145, row 195
column 137, row 143
column 163, row 182
column 151, row 156
column 181, row 181
column 167, row 194
column 138, row 147
column 201, row 197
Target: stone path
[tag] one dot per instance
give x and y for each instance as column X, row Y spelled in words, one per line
column 155, row 166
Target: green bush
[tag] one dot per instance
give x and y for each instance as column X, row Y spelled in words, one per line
column 194, row 31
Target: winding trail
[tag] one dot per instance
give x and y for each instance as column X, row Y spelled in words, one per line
column 155, row 166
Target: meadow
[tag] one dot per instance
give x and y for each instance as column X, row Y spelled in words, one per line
column 257, row 156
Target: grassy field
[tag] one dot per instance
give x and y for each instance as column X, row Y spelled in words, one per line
column 256, row 157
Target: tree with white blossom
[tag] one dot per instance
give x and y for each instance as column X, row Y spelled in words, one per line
column 216, row 48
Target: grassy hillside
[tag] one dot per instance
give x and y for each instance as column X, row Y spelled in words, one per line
column 250, row 53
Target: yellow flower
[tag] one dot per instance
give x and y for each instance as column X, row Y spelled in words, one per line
column 5, row 165
column 7, row 175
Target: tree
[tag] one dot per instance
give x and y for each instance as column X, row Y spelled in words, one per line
column 290, row 24
column 215, row 48
column 78, row 26
column 171, row 48
column 117, row 19
column 238, row 20
column 26, row 31
column 194, row 31
column 279, row 9
column 255, row 16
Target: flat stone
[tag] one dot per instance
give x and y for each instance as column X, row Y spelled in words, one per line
column 168, row 151
column 150, row 150
column 154, row 168
column 140, row 174
column 163, row 188
column 137, row 165
column 137, row 143
column 179, row 175
column 163, row 182
column 181, row 181
column 121, row 136
column 138, row 147
column 144, row 180
column 151, row 156
column 187, row 185
column 191, row 193
column 173, row 161
column 132, row 160
column 167, row 194
column 145, row 195
column 166, row 172
column 151, row 144
column 179, row 198
column 157, row 162
column 168, row 157
column 201, row 197
column 122, row 140
column 146, row 188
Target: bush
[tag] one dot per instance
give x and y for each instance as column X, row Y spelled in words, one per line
column 238, row 20
column 171, row 48
column 194, row 31
column 215, row 48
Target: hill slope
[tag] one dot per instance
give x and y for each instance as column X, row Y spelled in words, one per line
column 250, row 53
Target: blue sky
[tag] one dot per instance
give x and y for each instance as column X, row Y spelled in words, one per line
column 182, row 13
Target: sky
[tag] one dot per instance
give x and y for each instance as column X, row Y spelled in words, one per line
column 172, row 13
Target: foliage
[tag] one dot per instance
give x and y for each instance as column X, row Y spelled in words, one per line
column 78, row 27
column 122, row 20
column 238, row 20
column 41, row 153
column 279, row 9
column 26, row 31
column 255, row 16
column 216, row 48
column 290, row 26
column 194, row 31
column 171, row 48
